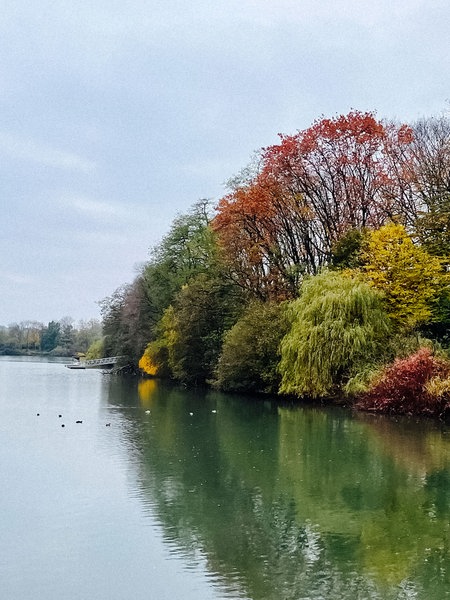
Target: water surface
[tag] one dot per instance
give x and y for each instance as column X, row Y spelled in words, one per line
column 165, row 493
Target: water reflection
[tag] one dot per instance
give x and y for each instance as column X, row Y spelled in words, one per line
column 418, row 447
column 293, row 503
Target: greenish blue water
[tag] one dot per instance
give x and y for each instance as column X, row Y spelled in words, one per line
column 197, row 495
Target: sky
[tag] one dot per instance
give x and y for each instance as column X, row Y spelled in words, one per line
column 117, row 116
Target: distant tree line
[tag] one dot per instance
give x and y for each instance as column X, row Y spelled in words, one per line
column 325, row 264
column 60, row 338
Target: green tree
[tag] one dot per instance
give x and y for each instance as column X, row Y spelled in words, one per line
column 339, row 329
column 131, row 315
column 188, row 249
column 346, row 253
column 50, row 336
column 86, row 333
column 202, row 311
column 249, row 357
column 96, row 349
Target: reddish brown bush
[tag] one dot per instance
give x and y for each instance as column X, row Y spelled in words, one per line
column 402, row 387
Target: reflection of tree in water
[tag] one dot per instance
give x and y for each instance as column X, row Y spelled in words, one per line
column 286, row 503
column 419, row 446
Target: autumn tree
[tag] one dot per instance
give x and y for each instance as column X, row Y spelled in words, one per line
column 348, row 169
column 344, row 173
column 31, row 334
column 96, row 349
column 87, row 332
column 159, row 355
column 126, row 321
column 410, row 279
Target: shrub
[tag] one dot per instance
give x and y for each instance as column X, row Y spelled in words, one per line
column 147, row 365
column 155, row 359
column 416, row 385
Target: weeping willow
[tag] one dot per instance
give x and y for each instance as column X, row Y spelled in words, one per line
column 339, row 329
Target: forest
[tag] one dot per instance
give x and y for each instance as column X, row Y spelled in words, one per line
column 322, row 274
column 58, row 338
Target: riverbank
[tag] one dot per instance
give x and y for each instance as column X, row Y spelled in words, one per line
column 416, row 386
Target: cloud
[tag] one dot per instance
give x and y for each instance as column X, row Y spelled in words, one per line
column 16, row 278
column 97, row 209
column 350, row 11
column 31, row 150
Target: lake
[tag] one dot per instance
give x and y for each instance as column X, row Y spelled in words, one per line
column 165, row 493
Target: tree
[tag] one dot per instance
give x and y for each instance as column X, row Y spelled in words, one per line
column 350, row 172
column 188, row 249
column 67, row 336
column 433, row 227
column 346, row 253
column 30, row 335
column 50, row 336
column 194, row 326
column 249, row 357
column 338, row 330
column 264, row 239
column 126, row 321
column 410, row 279
column 96, row 349
column 131, row 315
column 430, row 153
column 87, row 333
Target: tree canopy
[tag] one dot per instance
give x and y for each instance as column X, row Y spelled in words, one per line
column 349, row 172
column 338, row 328
column 250, row 356
column 410, row 279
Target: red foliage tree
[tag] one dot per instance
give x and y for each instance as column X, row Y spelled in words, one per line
column 312, row 187
column 263, row 234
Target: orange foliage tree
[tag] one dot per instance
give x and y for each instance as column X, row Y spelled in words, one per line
column 345, row 173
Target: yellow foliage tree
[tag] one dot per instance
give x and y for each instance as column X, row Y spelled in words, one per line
column 410, row 279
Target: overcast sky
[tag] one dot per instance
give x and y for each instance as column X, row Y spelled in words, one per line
column 118, row 115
